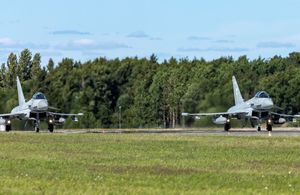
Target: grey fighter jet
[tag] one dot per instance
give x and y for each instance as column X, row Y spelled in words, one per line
column 36, row 109
column 257, row 109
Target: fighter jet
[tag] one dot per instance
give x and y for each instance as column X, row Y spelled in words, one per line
column 256, row 110
column 36, row 109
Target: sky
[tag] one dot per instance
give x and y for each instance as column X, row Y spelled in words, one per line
column 209, row 29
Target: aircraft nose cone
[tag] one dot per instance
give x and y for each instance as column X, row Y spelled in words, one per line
column 42, row 105
column 270, row 103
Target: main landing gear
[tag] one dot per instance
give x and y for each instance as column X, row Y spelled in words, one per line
column 269, row 124
column 50, row 125
column 8, row 125
column 37, row 124
column 227, row 125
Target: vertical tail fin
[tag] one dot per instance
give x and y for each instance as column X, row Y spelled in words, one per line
column 238, row 99
column 20, row 92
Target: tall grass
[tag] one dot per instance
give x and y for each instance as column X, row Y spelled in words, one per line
column 147, row 164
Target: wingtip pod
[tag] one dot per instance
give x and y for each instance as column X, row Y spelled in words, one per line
column 80, row 114
column 184, row 114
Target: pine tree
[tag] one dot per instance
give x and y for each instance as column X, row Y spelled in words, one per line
column 36, row 67
column 50, row 65
column 36, row 72
column 12, row 65
column 2, row 75
column 25, row 64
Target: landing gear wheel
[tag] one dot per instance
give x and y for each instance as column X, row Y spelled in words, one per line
column 7, row 128
column 50, row 128
column 269, row 127
column 258, row 128
column 36, row 129
column 227, row 126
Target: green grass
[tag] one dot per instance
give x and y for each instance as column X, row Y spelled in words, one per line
column 147, row 164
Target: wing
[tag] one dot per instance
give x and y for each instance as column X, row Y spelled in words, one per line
column 283, row 115
column 12, row 115
column 204, row 114
column 232, row 114
column 60, row 118
column 287, row 116
column 64, row 114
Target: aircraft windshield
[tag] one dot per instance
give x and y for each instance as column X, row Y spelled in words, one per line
column 38, row 96
column 262, row 94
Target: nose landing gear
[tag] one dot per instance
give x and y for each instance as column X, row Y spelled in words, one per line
column 36, row 129
column 258, row 127
column 37, row 123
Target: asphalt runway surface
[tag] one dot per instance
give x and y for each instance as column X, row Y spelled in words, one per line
column 284, row 132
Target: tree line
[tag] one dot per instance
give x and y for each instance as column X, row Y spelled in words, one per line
column 143, row 92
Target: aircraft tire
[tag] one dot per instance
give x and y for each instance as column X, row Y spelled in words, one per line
column 50, row 128
column 36, row 129
column 258, row 128
column 7, row 128
column 269, row 127
column 226, row 127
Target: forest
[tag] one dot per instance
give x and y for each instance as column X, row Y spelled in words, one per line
column 148, row 92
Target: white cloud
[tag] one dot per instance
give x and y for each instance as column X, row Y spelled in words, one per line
column 138, row 34
column 8, row 43
column 85, row 42
column 89, row 44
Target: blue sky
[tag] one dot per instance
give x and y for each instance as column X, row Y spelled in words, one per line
column 210, row 29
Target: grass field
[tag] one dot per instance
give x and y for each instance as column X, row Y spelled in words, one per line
column 147, row 164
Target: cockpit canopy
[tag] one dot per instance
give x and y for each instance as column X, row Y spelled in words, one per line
column 38, row 96
column 262, row 94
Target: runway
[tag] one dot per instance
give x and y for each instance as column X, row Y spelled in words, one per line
column 288, row 132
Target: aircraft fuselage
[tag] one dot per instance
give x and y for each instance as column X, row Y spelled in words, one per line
column 33, row 106
column 254, row 104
